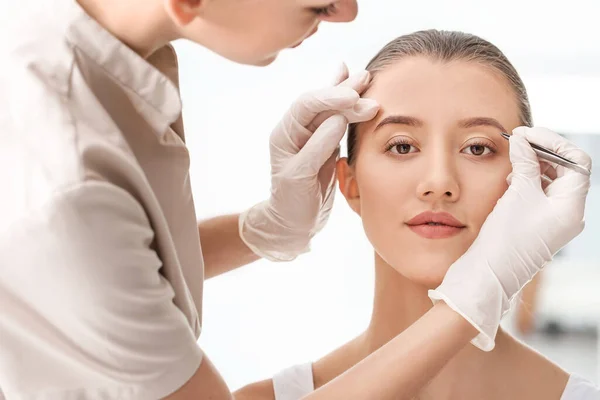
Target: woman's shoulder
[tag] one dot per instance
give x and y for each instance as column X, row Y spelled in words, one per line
column 535, row 376
column 292, row 383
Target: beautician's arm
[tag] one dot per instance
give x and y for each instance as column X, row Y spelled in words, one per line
column 304, row 148
column 222, row 247
column 395, row 371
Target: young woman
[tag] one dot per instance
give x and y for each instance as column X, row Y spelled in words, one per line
column 423, row 176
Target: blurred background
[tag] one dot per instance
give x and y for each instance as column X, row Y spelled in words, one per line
column 267, row 316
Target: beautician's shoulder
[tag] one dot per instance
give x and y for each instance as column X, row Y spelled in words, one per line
column 38, row 151
column 42, row 131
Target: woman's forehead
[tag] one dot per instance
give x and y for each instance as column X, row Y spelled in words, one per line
column 421, row 85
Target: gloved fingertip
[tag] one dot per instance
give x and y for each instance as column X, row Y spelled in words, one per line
column 537, row 134
column 366, row 77
column 366, row 107
column 344, row 93
column 520, row 131
column 342, row 74
column 520, row 147
column 509, row 178
column 363, row 110
column 367, row 104
column 524, row 160
column 358, row 81
column 365, row 80
column 518, row 137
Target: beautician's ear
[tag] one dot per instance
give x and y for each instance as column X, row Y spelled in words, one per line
column 348, row 185
column 183, row 11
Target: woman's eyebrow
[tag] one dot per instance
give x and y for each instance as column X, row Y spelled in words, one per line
column 400, row 120
column 417, row 123
column 481, row 121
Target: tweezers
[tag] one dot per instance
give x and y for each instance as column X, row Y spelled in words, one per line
column 551, row 156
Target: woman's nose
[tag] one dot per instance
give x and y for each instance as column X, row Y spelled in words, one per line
column 343, row 11
column 439, row 180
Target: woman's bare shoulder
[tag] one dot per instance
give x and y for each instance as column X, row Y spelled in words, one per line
column 536, row 374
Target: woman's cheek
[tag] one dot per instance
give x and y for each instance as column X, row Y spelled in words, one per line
column 384, row 182
column 482, row 187
column 386, row 189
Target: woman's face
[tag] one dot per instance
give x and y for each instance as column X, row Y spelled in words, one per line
column 434, row 148
column 255, row 31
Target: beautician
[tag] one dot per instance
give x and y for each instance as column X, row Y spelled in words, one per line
column 101, row 261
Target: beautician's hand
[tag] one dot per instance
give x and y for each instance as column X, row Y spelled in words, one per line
column 304, row 150
column 523, row 232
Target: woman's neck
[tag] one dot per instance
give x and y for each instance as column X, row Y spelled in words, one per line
column 398, row 303
column 471, row 374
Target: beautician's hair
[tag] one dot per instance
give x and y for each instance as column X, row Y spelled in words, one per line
column 447, row 46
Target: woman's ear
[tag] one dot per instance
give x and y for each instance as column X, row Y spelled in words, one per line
column 348, row 184
column 183, row 12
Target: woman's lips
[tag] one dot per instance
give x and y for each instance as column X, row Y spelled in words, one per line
column 435, row 231
column 432, row 225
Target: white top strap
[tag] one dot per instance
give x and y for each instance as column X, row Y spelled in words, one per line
column 294, row 383
column 580, row 389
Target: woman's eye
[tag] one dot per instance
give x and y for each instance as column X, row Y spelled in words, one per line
column 402, row 148
column 477, row 150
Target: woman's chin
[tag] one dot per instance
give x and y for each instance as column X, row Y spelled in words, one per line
column 427, row 271
column 429, row 280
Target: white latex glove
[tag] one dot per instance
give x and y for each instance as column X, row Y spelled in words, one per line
column 526, row 228
column 304, row 149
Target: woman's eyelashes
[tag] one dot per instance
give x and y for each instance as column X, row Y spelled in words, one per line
column 402, row 146
column 479, row 148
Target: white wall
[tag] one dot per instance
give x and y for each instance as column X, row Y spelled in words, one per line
column 268, row 316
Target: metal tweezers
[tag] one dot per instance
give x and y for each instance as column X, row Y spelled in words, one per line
column 551, row 156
